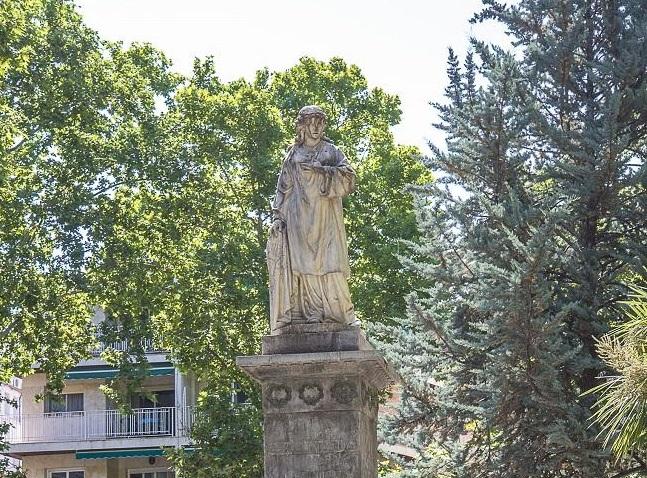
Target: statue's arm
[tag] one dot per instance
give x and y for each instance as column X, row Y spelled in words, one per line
column 340, row 177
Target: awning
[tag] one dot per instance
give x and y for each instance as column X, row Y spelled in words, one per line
column 127, row 453
column 111, row 373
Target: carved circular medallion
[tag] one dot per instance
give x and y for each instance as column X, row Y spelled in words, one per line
column 310, row 393
column 344, row 392
column 278, row 395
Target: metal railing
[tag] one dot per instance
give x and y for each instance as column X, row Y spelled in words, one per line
column 99, row 425
column 122, row 346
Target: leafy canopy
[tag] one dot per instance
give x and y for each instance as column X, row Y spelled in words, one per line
column 130, row 188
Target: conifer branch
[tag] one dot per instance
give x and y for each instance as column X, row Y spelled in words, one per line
column 451, row 246
column 434, row 328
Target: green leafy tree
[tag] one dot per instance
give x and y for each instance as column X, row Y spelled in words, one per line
column 538, row 213
column 239, row 132
column 6, row 469
column 127, row 187
column 43, row 316
column 72, row 109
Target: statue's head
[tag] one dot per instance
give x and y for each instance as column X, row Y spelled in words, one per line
column 311, row 123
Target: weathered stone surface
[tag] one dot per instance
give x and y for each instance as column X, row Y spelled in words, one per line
column 307, row 253
column 320, row 408
column 317, row 445
column 309, row 338
column 305, row 328
column 319, row 424
column 367, row 363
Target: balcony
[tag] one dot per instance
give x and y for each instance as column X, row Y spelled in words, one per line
column 59, row 431
column 122, row 346
column 153, row 354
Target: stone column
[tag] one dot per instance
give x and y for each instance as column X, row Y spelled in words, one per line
column 319, row 385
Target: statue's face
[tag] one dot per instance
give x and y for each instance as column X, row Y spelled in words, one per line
column 315, row 127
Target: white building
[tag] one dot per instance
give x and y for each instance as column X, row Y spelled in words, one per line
column 83, row 436
column 10, row 406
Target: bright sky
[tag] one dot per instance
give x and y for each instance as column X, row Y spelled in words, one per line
column 401, row 46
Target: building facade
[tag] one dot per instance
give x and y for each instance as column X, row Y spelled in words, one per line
column 83, row 435
column 10, row 406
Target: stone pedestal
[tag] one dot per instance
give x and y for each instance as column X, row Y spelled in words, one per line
column 320, row 385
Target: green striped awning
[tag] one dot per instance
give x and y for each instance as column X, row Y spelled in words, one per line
column 112, row 372
column 127, row 453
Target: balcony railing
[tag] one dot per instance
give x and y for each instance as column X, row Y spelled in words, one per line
column 122, row 346
column 99, row 425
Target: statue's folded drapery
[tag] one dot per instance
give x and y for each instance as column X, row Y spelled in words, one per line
column 278, row 265
column 308, row 260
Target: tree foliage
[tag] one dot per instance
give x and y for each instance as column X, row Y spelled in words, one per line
column 240, row 130
column 537, row 215
column 128, row 187
column 622, row 403
column 71, row 108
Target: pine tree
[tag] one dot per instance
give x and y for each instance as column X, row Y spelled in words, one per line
column 538, row 213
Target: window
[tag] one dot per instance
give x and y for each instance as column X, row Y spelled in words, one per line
column 157, row 399
column 238, row 396
column 68, row 402
column 151, row 473
column 66, row 474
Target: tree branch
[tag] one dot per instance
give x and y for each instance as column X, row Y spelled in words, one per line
column 630, row 471
column 16, row 147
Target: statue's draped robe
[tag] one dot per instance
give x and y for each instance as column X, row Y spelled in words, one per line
column 308, row 261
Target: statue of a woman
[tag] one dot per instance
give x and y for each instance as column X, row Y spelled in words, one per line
column 307, row 254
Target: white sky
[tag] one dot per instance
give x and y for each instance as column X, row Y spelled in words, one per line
column 401, row 46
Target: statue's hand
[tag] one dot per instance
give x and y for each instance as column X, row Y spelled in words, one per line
column 317, row 166
column 277, row 226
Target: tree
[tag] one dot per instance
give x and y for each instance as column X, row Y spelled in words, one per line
column 130, row 188
column 239, row 131
column 538, row 213
column 38, row 298
column 621, row 409
column 71, row 108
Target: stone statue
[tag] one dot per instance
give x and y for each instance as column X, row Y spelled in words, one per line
column 307, row 254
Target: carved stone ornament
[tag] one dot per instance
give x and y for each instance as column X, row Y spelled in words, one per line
column 278, row 395
column 310, row 393
column 344, row 392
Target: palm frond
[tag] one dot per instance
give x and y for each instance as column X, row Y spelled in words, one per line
column 621, row 408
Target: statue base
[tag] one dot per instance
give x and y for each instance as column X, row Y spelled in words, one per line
column 320, row 404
